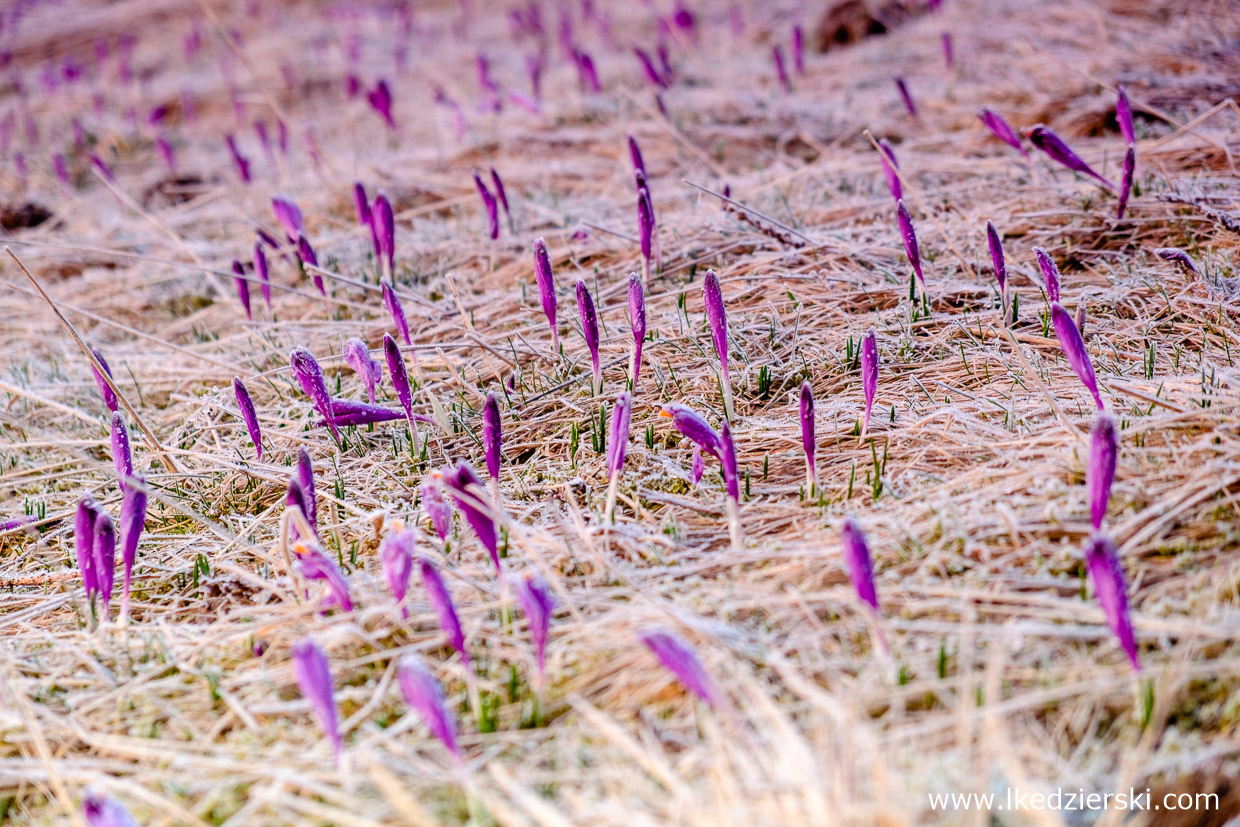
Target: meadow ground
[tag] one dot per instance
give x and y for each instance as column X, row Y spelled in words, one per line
column 970, row 484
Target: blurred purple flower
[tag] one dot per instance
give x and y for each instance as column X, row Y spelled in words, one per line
column 635, row 155
column 949, row 54
column 305, row 479
column 470, row 496
column 1123, row 116
column 1107, row 574
column 425, row 695
column 798, row 49
column 646, row 228
column 1074, row 349
column 105, row 390
column 392, row 302
column 243, row 287
column 696, row 429
column 699, row 465
column 491, row 205
column 357, row 355
column 538, row 605
column 306, row 253
column 1002, row 130
column 887, row 158
column 492, row 435
column 589, row 329
column 380, row 100
column 909, row 234
column 906, row 96
column 396, row 556
column 104, row 811
column 502, row 195
column 652, row 72
column 857, row 557
column 676, row 657
column 1104, row 451
column 727, row 457
column 435, row 506
column 315, row 565
column 289, row 216
column 546, row 288
column 1176, row 255
column 441, row 601
column 361, row 204
column 314, row 678
column 1125, row 181
column 260, row 269
column 239, row 161
column 781, row 70
column 1059, row 152
column 383, row 224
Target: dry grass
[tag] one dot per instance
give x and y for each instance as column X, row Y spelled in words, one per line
column 1000, row 673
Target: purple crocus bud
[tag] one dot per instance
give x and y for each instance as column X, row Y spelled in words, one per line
column 1123, row 116
column 435, row 505
column 781, row 70
column 809, row 440
column 538, row 605
column 492, row 207
column 309, row 375
column 1174, row 254
column 717, row 316
column 501, row 194
column 400, row 381
column 425, row 695
column 907, row 97
column 306, row 253
column 996, row 256
column 243, row 287
column 314, row 678
column 289, row 216
column 648, row 67
column 492, row 435
column 345, row 412
column 358, row 357
column 696, row 429
column 133, row 521
column 546, row 287
column 84, row 543
column 798, row 49
column 260, row 269
column 167, row 153
column 361, row 204
column 909, row 234
column 441, row 601
column 887, row 158
column 470, row 496
column 1104, row 451
column 1050, row 273
column 637, row 318
column 122, row 457
column 1074, row 349
column 699, row 465
column 949, row 54
column 383, row 224
column 105, row 390
column 1002, row 130
column 392, row 302
column 589, row 75
column 1107, row 574
column 869, row 374
column 645, row 223
column 727, row 456
column 315, row 565
column 305, row 479
column 380, row 100
column 396, row 555
column 857, row 558
column 1125, row 181
column 62, row 171
column 618, row 438
column 239, row 161
column 635, row 154
column 1058, row 151
column 676, row 657
column 105, row 557
column 295, row 498
column 589, row 329
column 103, row 811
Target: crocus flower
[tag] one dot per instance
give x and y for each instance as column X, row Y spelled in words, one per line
column 809, row 440
column 345, row 412
column 289, row 216
column 869, row 374
column 1074, row 349
column 122, row 457
column 588, row 74
column 361, row 204
column 358, row 357
column 1107, row 574
column 676, row 657
column 887, row 157
column 910, row 241
column 502, row 195
column 1058, row 151
column 1002, row 130
column 906, row 96
column 1050, row 273
column 731, row 479
column 310, row 376
column 696, row 429
column 470, row 496
column 645, row 222
column 435, row 505
column 635, row 154
column 546, row 287
column 84, row 543
column 104, row 548
column 306, row 253
column 380, row 100
column 491, row 205
column 133, row 521
column 104, row 811
column 781, row 71
column 400, row 381
column 396, row 556
column 295, row 498
column 717, row 316
column 1104, row 451
column 538, row 605
column 637, row 318
column 383, row 222
column 1123, row 116
column 648, row 66
column 392, row 302
column 441, row 601
column 996, row 257
column 243, row 287
column 1176, row 255
column 260, row 269
column 857, row 557
column 240, row 161
column 798, row 50
column 315, row 565
column 1125, row 181
column 492, row 435
column 305, row 478
column 425, row 695
column 589, row 329
column 314, row 678
column 105, row 390
column 699, row 465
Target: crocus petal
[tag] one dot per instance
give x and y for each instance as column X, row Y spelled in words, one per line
column 1074, row 349
column 357, row 355
column 248, row 415
column 637, row 318
column 1123, row 116
column 400, row 379
column 435, row 505
column 500, row 193
column 676, row 657
column 546, row 287
column 383, row 220
column 781, row 70
column 727, row 456
column 857, row 558
column 492, row 207
column 887, row 159
column 492, row 435
column 1058, row 151
column 1103, row 454
column 996, row 256
column 717, row 316
column 869, row 373
column 84, row 543
column 699, row 465
column 589, row 326
column 1179, row 257
column 1050, row 273
column 243, row 287
column 122, row 458
column 1125, row 181
column 1002, row 130
column 635, row 154
column 909, row 234
column 380, row 99
column 305, row 478
column 441, row 601
column 309, row 375
column 425, row 695
column 314, row 678
column 133, row 521
column 105, row 390
column 289, row 216
column 264, row 277
column 906, row 96
column 470, row 496
column 694, row 427
column 1107, row 574
column 396, row 555
column 105, row 557
column 392, row 302
column 809, row 440
column 315, row 565
column 645, row 223
column 361, row 204
column 538, row 605
column 618, row 436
